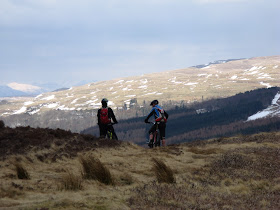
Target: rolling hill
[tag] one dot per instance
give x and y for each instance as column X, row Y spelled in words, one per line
column 181, row 86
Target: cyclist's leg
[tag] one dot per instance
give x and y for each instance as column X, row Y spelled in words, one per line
column 102, row 130
column 151, row 133
column 157, row 136
column 107, row 131
column 162, row 127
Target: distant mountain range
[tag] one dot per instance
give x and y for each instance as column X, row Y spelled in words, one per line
column 15, row 89
column 6, row 91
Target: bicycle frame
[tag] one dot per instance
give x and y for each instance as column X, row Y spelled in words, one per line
column 156, row 137
column 109, row 133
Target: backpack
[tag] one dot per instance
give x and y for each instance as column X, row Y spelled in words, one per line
column 161, row 117
column 104, row 117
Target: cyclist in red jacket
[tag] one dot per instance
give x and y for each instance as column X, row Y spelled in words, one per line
column 104, row 115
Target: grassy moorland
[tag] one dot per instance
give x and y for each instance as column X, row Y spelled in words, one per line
column 56, row 169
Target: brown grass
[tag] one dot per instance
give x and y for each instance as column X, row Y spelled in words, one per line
column 207, row 151
column 71, row 182
column 126, row 179
column 163, row 173
column 21, row 172
column 94, row 169
column 236, row 175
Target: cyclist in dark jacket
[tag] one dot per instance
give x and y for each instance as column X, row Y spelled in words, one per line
column 104, row 116
column 160, row 118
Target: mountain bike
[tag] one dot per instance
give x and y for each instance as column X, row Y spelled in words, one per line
column 110, row 134
column 155, row 142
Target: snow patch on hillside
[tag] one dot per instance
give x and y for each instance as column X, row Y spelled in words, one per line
column 129, row 81
column 52, row 105
column 275, row 100
column 266, row 84
column 74, row 101
column 127, row 88
column 49, row 97
column 191, row 83
column 259, row 115
column 207, row 67
column 119, row 82
column 273, row 110
column 20, row 111
column 143, row 87
column 38, row 96
column 143, row 81
column 64, row 108
column 28, row 103
column 34, row 111
column 152, row 93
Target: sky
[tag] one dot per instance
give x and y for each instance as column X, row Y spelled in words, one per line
column 53, row 41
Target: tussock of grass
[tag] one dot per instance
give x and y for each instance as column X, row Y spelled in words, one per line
column 21, row 171
column 71, row 182
column 94, row 169
column 163, row 173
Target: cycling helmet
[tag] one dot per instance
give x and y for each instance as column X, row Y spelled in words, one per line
column 154, row 102
column 104, row 100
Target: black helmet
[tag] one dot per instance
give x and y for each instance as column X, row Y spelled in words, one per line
column 155, row 102
column 104, row 100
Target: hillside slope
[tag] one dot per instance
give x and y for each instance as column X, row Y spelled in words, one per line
column 208, row 119
column 190, row 84
column 240, row 172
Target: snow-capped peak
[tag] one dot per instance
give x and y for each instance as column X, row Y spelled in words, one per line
column 24, row 87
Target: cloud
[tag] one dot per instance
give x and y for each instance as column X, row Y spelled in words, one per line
column 123, row 37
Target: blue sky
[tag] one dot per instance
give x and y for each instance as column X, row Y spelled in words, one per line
column 70, row 40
